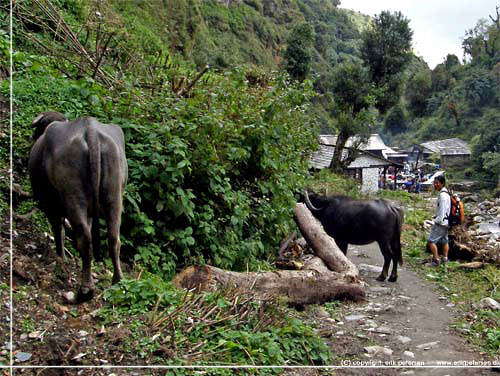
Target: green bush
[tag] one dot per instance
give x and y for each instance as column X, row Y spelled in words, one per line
column 212, row 177
column 215, row 181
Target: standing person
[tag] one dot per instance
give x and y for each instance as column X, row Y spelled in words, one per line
column 439, row 230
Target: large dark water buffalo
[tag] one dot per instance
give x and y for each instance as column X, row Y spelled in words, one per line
column 78, row 171
column 351, row 221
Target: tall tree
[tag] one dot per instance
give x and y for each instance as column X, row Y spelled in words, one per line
column 354, row 97
column 418, row 91
column 386, row 50
column 298, row 53
column 482, row 42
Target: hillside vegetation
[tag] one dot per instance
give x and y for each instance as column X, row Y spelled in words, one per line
column 217, row 155
column 457, row 99
column 218, row 134
column 213, row 166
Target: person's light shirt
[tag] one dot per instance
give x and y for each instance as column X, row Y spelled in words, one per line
column 443, row 207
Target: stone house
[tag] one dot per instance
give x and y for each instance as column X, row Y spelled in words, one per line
column 453, row 152
column 366, row 168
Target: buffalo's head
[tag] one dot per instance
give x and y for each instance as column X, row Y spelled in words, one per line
column 43, row 120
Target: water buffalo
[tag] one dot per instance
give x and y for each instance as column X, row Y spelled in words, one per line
column 351, row 221
column 78, row 171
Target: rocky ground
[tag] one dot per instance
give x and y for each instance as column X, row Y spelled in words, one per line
column 406, row 323
column 402, row 328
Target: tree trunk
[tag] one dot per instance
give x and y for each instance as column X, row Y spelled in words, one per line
column 324, row 278
column 336, row 163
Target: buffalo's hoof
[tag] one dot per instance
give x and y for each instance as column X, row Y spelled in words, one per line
column 380, row 278
column 84, row 294
column 116, row 278
column 393, row 279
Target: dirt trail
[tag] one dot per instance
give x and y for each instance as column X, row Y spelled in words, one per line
column 409, row 317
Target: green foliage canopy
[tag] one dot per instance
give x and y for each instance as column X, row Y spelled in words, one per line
column 354, row 97
column 298, row 53
column 386, row 49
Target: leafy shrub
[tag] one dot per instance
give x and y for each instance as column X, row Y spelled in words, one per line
column 215, row 180
column 212, row 177
column 225, row 326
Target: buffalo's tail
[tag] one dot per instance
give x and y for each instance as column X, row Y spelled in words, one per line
column 95, row 179
column 396, row 239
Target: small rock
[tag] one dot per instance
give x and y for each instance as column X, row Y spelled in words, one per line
column 489, row 303
column 321, row 312
column 404, row 339
column 409, row 354
column 427, row 346
column 35, row 335
column 383, row 330
column 339, row 333
column 82, row 333
column 369, row 268
column 380, row 290
column 101, row 331
column 70, row 297
column 354, row 317
column 23, row 356
column 378, row 349
column 407, row 373
column 79, row 356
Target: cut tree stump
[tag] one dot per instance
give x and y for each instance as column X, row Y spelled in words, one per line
column 327, row 277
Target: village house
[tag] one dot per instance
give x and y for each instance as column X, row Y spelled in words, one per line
column 452, row 152
column 367, row 167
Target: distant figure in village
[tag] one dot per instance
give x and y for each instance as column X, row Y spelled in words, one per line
column 439, row 230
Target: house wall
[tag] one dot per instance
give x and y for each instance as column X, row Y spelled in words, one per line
column 370, row 180
column 456, row 160
column 370, row 176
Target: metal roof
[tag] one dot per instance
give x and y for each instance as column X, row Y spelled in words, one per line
column 373, row 143
column 323, row 157
column 450, row 146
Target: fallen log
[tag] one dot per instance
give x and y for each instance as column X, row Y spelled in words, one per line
column 296, row 287
column 327, row 277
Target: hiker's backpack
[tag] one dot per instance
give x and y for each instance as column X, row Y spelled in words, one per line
column 457, row 214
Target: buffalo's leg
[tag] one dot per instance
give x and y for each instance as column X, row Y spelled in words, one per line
column 58, row 230
column 114, row 242
column 56, row 222
column 342, row 246
column 386, row 252
column 83, row 242
column 394, row 272
column 395, row 245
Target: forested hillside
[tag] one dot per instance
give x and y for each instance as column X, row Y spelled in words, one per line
column 457, row 99
column 176, row 74
column 200, row 89
column 221, row 103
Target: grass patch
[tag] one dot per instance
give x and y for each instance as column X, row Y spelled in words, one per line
column 223, row 327
column 464, row 288
column 326, row 182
